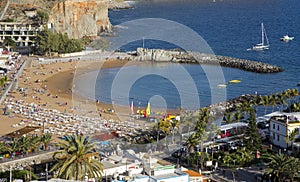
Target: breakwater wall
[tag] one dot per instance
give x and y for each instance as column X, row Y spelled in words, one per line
column 177, row 56
column 232, row 104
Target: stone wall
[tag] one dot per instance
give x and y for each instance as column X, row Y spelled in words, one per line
column 161, row 55
column 80, row 18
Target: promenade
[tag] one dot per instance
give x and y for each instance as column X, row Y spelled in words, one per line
column 24, row 161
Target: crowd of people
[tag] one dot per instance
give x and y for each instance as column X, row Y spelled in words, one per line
column 64, row 123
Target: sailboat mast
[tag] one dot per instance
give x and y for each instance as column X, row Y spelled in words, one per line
column 262, row 34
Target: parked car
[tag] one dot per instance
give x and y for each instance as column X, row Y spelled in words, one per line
column 262, row 125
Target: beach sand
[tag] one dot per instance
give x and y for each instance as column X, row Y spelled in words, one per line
column 50, row 86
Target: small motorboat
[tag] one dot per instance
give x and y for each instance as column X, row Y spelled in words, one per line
column 222, row 85
column 234, row 81
column 286, row 38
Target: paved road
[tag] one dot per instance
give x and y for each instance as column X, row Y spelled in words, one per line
column 243, row 174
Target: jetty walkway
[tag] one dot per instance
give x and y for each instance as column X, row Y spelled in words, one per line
column 177, row 56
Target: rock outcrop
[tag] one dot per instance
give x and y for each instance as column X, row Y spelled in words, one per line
column 80, row 18
column 112, row 5
column 160, row 55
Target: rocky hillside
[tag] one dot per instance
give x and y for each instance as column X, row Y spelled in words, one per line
column 77, row 18
column 80, row 18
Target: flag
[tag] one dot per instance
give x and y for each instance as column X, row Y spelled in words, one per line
column 131, row 107
column 148, row 110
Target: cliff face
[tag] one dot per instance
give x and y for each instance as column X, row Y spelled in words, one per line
column 80, row 18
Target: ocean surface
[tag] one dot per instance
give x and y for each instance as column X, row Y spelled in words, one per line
column 228, row 27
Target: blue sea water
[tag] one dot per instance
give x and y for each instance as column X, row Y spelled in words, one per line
column 229, row 27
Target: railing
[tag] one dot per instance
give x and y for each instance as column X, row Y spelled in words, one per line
column 20, row 157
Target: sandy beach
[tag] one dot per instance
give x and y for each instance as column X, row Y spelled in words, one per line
column 50, row 86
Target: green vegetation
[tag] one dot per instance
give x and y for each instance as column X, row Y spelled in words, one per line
column 282, row 167
column 295, row 107
column 8, row 20
column 239, row 158
column 19, row 174
column 42, row 17
column 77, row 159
column 24, row 144
column 3, row 80
column 252, row 136
column 47, row 42
column 9, row 42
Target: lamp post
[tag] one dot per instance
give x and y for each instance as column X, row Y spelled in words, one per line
column 46, row 170
column 10, row 174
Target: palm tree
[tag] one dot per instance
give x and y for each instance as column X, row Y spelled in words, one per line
column 192, row 142
column 230, row 161
column 273, row 101
column 240, row 158
column 162, row 127
column 292, row 137
column 282, row 167
column 23, row 143
column 229, row 117
column 282, row 100
column 265, row 101
column 34, row 143
column 76, row 159
column 46, row 139
column 187, row 120
column 294, row 93
column 238, row 116
column 12, row 147
column 174, row 124
column 2, row 147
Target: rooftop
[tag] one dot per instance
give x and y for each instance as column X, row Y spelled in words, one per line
column 192, row 173
column 290, row 118
column 169, row 175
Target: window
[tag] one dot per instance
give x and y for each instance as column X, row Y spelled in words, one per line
column 273, row 126
column 277, row 137
column 274, row 136
column 278, row 127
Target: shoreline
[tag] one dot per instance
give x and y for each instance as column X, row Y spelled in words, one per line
column 49, row 83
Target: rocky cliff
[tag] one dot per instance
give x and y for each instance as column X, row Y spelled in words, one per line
column 80, row 18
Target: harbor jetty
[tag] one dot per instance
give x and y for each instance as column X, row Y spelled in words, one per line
column 179, row 56
column 232, row 104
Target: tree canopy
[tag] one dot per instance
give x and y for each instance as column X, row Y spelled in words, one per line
column 47, row 42
column 77, row 159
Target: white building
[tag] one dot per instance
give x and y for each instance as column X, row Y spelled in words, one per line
column 22, row 34
column 163, row 171
column 111, row 168
column 281, row 126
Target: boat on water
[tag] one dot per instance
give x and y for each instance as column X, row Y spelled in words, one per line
column 286, row 38
column 263, row 45
column 222, row 85
column 234, row 81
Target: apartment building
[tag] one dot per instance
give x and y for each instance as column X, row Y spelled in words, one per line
column 281, row 126
column 23, row 34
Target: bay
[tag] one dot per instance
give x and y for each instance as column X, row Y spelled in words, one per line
column 229, row 27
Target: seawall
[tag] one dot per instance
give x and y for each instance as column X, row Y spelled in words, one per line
column 177, row 56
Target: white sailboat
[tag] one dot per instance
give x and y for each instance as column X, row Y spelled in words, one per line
column 262, row 46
